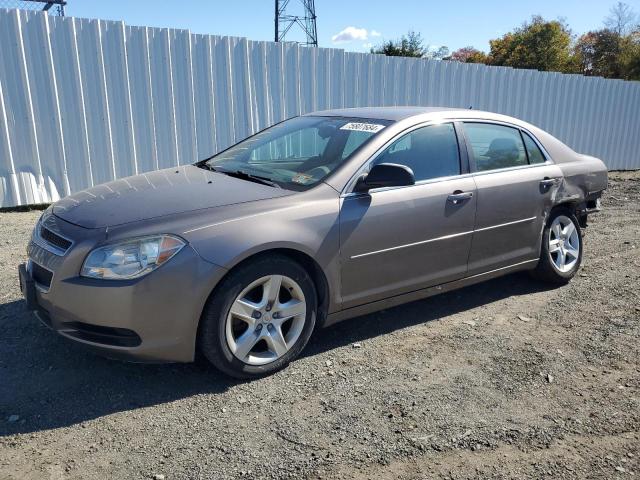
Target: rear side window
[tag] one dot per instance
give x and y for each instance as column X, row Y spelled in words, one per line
column 495, row 146
column 430, row 152
column 534, row 152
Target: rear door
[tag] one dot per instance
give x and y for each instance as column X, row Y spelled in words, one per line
column 397, row 240
column 515, row 184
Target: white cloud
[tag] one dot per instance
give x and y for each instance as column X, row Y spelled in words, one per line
column 375, row 33
column 367, row 45
column 349, row 34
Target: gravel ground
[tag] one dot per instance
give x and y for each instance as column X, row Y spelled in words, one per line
column 507, row 379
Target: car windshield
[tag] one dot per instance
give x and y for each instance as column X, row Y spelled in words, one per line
column 297, row 153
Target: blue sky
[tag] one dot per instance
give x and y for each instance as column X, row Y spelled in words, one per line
column 452, row 23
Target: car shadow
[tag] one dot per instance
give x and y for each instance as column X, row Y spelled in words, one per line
column 49, row 382
column 429, row 309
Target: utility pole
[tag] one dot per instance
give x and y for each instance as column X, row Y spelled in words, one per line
column 284, row 20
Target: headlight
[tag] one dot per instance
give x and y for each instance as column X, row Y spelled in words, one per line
column 131, row 258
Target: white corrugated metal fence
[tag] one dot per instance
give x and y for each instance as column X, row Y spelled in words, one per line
column 87, row 101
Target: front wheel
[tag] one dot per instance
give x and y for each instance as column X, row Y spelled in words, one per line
column 260, row 318
column 561, row 251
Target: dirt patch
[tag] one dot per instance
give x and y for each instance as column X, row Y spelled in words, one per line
column 506, row 379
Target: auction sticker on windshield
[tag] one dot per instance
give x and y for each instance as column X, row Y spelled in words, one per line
column 362, row 127
column 302, row 178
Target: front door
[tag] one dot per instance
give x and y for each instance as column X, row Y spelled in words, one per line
column 398, row 240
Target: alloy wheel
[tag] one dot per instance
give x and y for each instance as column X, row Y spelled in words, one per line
column 266, row 319
column 564, row 243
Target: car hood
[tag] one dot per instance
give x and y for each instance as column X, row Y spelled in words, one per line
column 164, row 192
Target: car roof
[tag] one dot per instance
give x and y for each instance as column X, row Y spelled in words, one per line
column 389, row 113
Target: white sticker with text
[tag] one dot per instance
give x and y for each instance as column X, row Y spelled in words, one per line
column 362, row 127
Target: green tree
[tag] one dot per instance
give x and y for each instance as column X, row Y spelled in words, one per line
column 409, row 45
column 630, row 57
column 538, row 44
column 598, row 53
column 606, row 53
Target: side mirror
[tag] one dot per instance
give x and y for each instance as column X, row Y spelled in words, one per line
column 385, row 175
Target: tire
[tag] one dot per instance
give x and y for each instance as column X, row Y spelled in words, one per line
column 558, row 243
column 224, row 335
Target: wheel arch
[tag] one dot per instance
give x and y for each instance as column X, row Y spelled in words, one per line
column 576, row 206
column 568, row 203
column 303, row 259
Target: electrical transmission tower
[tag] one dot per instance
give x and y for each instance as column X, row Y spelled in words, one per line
column 44, row 5
column 307, row 21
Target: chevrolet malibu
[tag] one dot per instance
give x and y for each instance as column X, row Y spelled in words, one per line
column 320, row 218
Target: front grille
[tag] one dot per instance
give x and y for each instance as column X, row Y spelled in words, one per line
column 54, row 239
column 41, row 275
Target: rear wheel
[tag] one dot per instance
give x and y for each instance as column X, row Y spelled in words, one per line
column 260, row 318
column 561, row 252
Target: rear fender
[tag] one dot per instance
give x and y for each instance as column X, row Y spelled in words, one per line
column 584, row 180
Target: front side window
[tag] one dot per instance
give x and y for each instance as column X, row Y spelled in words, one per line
column 430, row 152
column 298, row 153
column 495, row 146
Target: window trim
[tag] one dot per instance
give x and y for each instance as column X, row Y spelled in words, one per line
column 463, row 160
column 521, row 130
column 524, row 146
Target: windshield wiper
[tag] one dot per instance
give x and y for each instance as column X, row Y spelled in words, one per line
column 243, row 175
column 253, row 178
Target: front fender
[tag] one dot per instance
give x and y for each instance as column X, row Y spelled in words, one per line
column 308, row 226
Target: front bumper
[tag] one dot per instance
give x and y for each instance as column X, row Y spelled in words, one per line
column 153, row 318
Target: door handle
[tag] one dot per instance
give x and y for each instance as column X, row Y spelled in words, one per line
column 459, row 196
column 548, row 182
